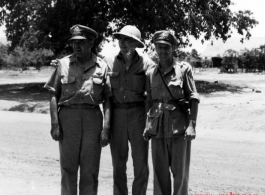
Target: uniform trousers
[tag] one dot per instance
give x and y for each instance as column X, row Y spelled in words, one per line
column 80, row 148
column 171, row 154
column 127, row 127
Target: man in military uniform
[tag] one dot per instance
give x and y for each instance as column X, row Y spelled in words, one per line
column 169, row 124
column 78, row 86
column 127, row 79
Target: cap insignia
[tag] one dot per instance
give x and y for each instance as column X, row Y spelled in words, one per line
column 76, row 30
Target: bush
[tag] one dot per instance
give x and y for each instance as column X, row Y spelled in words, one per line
column 22, row 58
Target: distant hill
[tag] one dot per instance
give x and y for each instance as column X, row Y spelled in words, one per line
column 219, row 47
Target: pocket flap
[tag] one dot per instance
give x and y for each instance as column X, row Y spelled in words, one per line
column 176, row 82
column 66, row 80
column 154, row 112
column 113, row 74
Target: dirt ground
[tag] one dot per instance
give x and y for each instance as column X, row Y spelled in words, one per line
column 228, row 153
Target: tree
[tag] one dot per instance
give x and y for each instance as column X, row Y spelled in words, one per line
column 194, row 53
column 3, row 55
column 50, row 20
column 230, row 60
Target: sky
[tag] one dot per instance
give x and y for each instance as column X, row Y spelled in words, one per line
column 255, row 6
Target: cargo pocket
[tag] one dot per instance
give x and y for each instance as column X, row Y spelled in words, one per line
column 68, row 86
column 152, row 121
column 179, row 121
column 114, row 79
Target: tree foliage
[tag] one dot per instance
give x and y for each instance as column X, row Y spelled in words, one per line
column 22, row 58
column 249, row 60
column 194, row 53
column 47, row 22
column 3, row 55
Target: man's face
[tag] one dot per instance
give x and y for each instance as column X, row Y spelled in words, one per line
column 126, row 44
column 164, row 51
column 82, row 47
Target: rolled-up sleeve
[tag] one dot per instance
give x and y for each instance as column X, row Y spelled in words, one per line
column 189, row 86
column 54, row 83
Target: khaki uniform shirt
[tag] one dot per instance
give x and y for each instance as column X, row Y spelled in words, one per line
column 167, row 121
column 75, row 84
column 128, row 85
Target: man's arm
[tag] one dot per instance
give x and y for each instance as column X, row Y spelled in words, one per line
column 56, row 131
column 105, row 134
column 148, row 105
column 190, row 133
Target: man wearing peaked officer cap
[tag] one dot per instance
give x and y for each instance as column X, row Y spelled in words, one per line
column 77, row 87
column 165, row 37
column 173, row 127
column 127, row 80
column 82, row 32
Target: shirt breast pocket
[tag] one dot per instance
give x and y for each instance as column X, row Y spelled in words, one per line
column 176, row 87
column 114, row 79
column 68, row 86
column 139, row 83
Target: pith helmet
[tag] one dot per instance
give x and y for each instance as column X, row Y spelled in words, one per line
column 132, row 32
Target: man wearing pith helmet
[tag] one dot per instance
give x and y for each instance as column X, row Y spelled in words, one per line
column 127, row 80
column 171, row 120
column 78, row 86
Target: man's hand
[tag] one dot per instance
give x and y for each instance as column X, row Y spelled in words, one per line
column 105, row 137
column 54, row 62
column 190, row 133
column 56, row 132
column 146, row 136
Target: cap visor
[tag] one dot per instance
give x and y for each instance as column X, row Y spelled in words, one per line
column 77, row 37
column 163, row 42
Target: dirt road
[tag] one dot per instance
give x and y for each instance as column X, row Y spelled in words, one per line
column 228, row 154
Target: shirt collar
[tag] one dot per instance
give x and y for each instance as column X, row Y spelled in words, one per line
column 73, row 60
column 174, row 63
column 135, row 58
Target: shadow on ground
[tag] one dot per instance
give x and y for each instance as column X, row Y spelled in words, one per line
column 33, row 97
column 206, row 87
column 24, row 92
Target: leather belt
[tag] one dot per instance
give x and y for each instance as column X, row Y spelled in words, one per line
column 172, row 102
column 169, row 105
column 128, row 105
column 76, row 106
